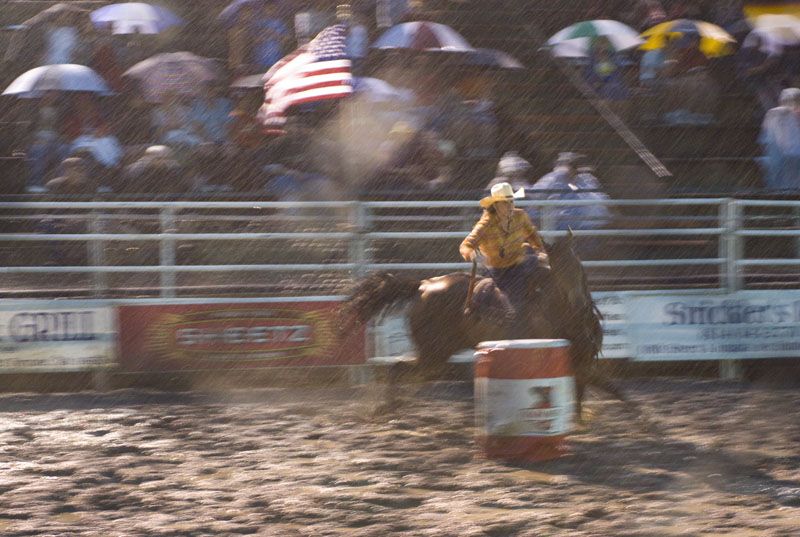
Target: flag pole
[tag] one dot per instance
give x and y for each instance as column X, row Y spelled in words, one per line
column 344, row 16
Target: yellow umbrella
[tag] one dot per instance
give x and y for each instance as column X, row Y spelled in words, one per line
column 714, row 41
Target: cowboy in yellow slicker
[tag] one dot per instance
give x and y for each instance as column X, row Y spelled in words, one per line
column 505, row 237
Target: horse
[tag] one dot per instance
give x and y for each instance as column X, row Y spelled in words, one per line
column 441, row 326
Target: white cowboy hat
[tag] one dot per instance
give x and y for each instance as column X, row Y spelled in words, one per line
column 502, row 192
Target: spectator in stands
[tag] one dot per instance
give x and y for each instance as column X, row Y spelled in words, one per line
column 211, row 114
column 155, row 172
column 239, row 41
column 648, row 13
column 762, row 67
column 64, row 42
column 475, row 130
column 249, row 143
column 780, row 138
column 514, row 170
column 411, row 158
column 49, row 146
column 136, row 115
column 690, row 94
column 310, row 20
column 103, row 56
column 357, row 41
column 300, row 182
column 172, row 122
column 75, row 178
column 87, row 130
column 390, row 12
column 571, row 181
column 270, row 38
column 605, row 74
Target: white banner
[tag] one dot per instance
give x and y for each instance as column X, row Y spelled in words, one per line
column 36, row 337
column 392, row 339
column 742, row 325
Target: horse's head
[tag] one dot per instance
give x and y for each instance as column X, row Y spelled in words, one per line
column 567, row 272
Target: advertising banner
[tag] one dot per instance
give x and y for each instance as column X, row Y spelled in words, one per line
column 36, row 337
column 235, row 335
column 746, row 324
column 392, row 339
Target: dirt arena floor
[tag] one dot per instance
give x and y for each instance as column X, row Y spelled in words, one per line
column 717, row 459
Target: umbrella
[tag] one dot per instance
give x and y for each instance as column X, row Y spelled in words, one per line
column 249, row 82
column 61, row 77
column 230, row 14
column 784, row 29
column 493, row 59
column 575, row 41
column 376, row 90
column 55, row 11
column 422, row 36
column 181, row 73
column 714, row 41
column 135, row 18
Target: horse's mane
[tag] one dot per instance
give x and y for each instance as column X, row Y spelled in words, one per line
column 377, row 293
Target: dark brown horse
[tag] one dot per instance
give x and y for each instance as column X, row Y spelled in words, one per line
column 440, row 327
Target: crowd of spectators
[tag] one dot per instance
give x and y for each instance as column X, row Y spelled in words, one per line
column 445, row 134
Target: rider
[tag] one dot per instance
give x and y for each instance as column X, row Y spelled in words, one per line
column 505, row 237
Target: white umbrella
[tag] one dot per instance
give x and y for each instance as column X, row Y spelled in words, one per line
column 135, row 17
column 575, row 41
column 781, row 29
column 423, row 36
column 59, row 77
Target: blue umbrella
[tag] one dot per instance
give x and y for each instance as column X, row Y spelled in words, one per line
column 135, row 18
column 230, row 14
column 61, row 77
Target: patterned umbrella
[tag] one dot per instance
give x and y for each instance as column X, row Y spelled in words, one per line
column 135, row 18
column 423, row 36
column 62, row 77
column 575, row 41
column 181, row 73
column 714, row 41
column 55, row 11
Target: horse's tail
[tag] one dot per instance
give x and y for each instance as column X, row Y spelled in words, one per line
column 378, row 293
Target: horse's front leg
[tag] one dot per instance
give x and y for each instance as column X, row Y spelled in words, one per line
column 397, row 372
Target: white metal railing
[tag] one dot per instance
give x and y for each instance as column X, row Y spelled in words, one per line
column 356, row 227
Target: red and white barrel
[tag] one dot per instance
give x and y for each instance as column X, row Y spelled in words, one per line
column 524, row 398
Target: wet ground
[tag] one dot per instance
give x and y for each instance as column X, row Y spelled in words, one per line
column 716, row 459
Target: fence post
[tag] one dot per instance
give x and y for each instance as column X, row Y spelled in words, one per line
column 734, row 251
column 360, row 222
column 166, row 253
column 545, row 218
column 734, row 248
column 96, row 253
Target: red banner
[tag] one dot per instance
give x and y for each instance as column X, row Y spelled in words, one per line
column 235, row 336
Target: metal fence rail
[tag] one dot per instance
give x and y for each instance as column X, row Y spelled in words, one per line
column 354, row 231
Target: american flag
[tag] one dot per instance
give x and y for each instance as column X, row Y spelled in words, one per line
column 315, row 72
